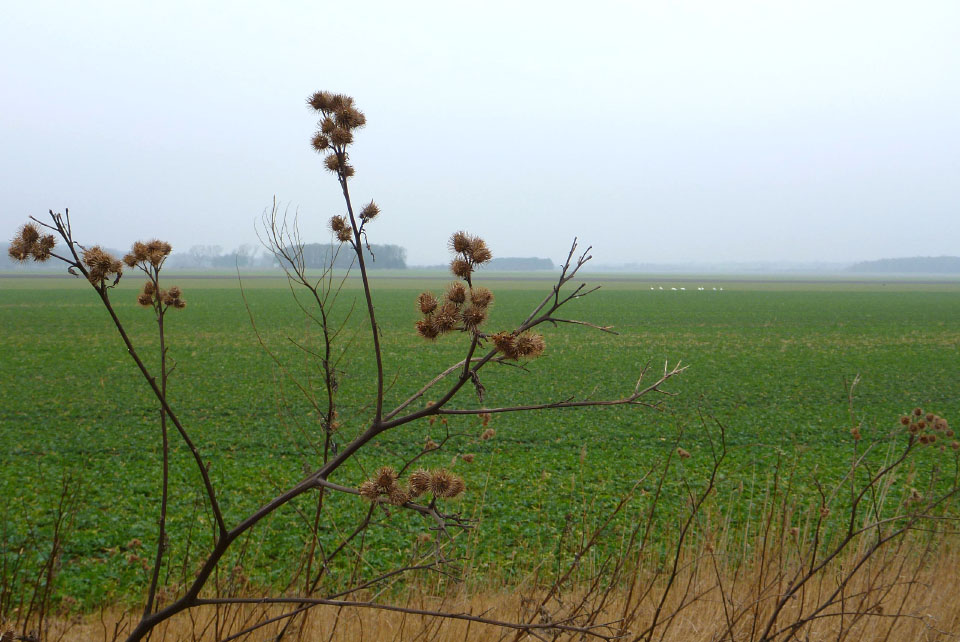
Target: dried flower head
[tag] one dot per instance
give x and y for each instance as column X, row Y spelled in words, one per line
column 905, row 420
column 332, row 162
column 467, row 457
column 481, row 297
column 345, row 235
column 370, row 211
column 683, row 454
column 955, row 445
column 338, row 223
column 144, row 299
column 488, row 434
column 529, row 344
column 42, row 248
column 855, row 433
column 473, row 317
column 386, row 478
column 917, row 411
column 443, row 483
column 349, row 117
column 456, row 292
column 419, row 482
column 369, row 490
column 479, row 253
column 101, row 265
column 29, row 233
column 426, row 302
column 341, row 137
column 430, row 444
column 320, row 142
column 327, row 125
column 426, row 329
column 461, row 268
column 321, row 101
column 506, row 343
column 930, row 417
column 397, row 496
column 460, row 242
column 445, row 318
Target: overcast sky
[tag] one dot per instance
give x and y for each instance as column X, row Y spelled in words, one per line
column 655, row 131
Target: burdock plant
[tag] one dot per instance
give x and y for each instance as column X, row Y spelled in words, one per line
column 461, row 314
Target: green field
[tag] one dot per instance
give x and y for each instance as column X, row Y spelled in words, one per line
column 767, row 359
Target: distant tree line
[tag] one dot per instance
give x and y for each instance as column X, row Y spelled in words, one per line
column 913, row 264
column 318, row 255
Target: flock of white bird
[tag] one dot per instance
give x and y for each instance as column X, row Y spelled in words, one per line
column 699, row 289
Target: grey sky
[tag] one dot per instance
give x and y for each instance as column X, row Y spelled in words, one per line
column 656, row 131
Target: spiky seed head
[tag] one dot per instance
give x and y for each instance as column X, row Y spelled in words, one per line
column 327, row 125
column 461, row 268
column 157, row 251
column 460, row 242
column 370, row 211
column 955, row 445
column 332, row 162
column 445, row 319
column 488, row 434
column 426, row 329
column 481, row 297
column 386, row 478
column 29, row 233
column 144, row 299
column 350, row 118
column 344, row 235
column 320, row 142
column 914, row 429
column 473, row 317
column 321, row 101
column 18, row 251
column 179, row 304
column 467, row 457
column 485, row 418
column 430, row 444
column 397, row 496
column 440, row 482
column 348, row 171
column 140, row 251
column 456, row 292
column 930, row 417
column 175, row 292
column 529, row 344
column 426, row 302
column 931, row 438
column 419, row 482
column 918, row 411
column 506, row 343
column 921, row 424
column 683, row 454
column 855, row 433
column 905, row 420
column 339, row 101
column 948, row 432
column 338, row 223
column 341, row 137
column 42, row 248
column 129, row 259
column 368, row 490
column 479, row 253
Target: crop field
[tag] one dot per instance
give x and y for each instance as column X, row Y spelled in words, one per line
column 766, row 360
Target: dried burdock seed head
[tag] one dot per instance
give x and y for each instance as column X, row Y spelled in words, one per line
column 461, row 268
column 370, row 211
column 340, row 101
column 320, row 142
column 955, row 445
column 921, row 424
column 144, row 299
column 481, row 297
column 683, row 454
column 175, row 292
column 419, row 482
column 397, row 496
column 100, row 265
column 327, row 125
column 484, row 418
column 348, row 171
column 931, row 438
column 460, row 242
column 441, row 481
column 332, row 162
column 479, row 253
column 445, row 319
column 341, row 137
column 321, row 101
column 29, row 233
column 179, row 304
column 426, row 302
column 41, row 249
column 430, row 444
column 506, row 344
column 149, row 287
column 386, row 478
column 18, row 251
column 488, row 434
column 349, row 117
column 529, row 345
column 930, row 417
column 824, row 512
column 456, row 292
column 855, row 433
column 345, row 235
column 914, row 428
column 918, row 411
column 473, row 317
column 467, row 457
column 457, row 486
column 369, row 490
column 426, row 329
column 922, row 438
column 905, row 420
column 338, row 223
column 948, row 432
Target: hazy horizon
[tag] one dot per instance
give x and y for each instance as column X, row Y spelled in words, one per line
column 689, row 132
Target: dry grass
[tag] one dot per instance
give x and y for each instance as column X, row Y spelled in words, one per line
column 892, row 599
